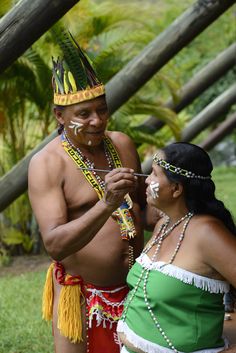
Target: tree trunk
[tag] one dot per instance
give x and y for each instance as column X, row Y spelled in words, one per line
column 197, row 85
column 219, row 133
column 155, row 55
column 25, row 23
column 208, row 115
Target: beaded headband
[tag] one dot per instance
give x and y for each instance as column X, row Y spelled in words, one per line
column 177, row 170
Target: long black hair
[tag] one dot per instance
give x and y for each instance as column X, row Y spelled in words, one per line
column 199, row 193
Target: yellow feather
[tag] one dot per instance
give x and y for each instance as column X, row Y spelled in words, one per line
column 72, row 82
column 66, row 87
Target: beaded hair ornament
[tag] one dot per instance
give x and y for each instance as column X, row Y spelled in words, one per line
column 73, row 77
column 177, row 170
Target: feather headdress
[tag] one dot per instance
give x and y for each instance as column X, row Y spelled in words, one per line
column 73, row 77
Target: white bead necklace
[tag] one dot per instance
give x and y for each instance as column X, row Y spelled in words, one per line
column 161, row 235
column 90, row 164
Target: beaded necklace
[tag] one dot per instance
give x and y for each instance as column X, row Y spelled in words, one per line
column 90, row 164
column 122, row 215
column 162, row 233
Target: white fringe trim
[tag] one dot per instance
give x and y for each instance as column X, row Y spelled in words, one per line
column 149, row 347
column 207, row 284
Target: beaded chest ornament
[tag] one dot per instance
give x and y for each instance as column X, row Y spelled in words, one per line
column 122, row 215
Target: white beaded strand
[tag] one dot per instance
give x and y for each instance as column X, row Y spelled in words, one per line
column 168, row 341
column 161, row 235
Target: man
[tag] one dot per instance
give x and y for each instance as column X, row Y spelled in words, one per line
column 90, row 226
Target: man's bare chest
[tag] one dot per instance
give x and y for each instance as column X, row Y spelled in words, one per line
column 78, row 191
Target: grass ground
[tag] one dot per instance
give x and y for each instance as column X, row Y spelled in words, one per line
column 21, row 327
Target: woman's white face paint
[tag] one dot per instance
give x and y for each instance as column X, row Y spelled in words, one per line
column 89, row 143
column 76, row 126
column 154, row 189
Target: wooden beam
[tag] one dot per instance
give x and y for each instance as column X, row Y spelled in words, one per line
column 25, row 23
column 154, row 56
column 135, row 74
column 15, row 182
column 210, row 113
column 205, row 118
column 224, row 129
column 203, row 79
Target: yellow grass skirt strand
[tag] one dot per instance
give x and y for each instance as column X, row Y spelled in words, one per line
column 69, row 307
column 47, row 303
column 69, row 312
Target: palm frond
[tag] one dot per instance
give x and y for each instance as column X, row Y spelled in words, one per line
column 149, row 106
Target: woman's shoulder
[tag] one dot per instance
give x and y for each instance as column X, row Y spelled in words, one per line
column 208, row 229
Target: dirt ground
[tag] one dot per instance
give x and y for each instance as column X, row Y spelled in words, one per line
column 22, row 264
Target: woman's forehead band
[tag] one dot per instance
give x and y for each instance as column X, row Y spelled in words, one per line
column 177, row 170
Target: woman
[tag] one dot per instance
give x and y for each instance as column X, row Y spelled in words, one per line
column 178, row 282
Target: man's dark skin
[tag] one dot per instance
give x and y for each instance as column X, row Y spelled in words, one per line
column 77, row 228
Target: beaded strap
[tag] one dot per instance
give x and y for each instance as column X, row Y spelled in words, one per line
column 122, row 215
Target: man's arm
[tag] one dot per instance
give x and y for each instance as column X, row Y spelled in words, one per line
column 62, row 238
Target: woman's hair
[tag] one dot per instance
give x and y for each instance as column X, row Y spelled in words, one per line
column 199, row 193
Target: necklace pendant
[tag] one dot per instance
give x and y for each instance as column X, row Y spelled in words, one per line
column 129, row 201
column 131, row 234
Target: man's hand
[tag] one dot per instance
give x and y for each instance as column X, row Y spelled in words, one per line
column 118, row 183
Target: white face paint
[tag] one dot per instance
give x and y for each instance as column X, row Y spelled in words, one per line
column 76, row 126
column 154, row 188
column 89, row 143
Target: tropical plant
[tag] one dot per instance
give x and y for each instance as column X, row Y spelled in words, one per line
column 112, row 33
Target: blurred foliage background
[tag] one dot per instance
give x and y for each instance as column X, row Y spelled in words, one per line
column 112, row 33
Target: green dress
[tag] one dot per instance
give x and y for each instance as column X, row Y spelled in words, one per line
column 188, row 307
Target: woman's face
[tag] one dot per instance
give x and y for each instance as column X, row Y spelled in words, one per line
column 158, row 186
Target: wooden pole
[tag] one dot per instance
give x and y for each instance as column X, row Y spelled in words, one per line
column 224, row 129
column 135, row 74
column 203, row 79
column 155, row 55
column 25, row 23
column 15, row 182
column 208, row 115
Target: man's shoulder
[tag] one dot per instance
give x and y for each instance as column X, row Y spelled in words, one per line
column 119, row 138
column 125, row 148
column 47, row 155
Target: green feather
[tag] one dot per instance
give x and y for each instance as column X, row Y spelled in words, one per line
column 71, row 54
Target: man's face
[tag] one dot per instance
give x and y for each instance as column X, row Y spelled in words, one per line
column 85, row 122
